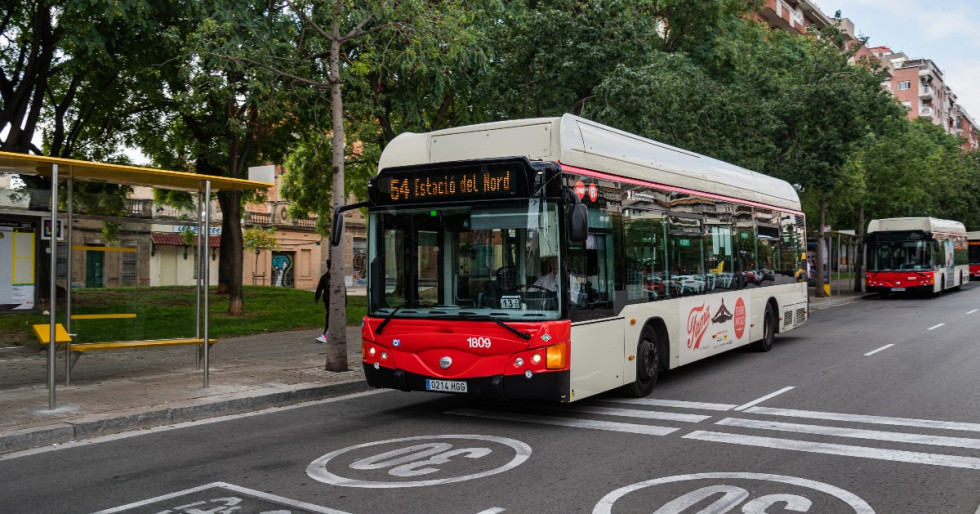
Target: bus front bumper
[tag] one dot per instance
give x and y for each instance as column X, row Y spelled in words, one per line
column 551, row 386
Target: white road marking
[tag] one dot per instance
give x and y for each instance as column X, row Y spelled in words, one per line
column 317, row 470
column 931, row 459
column 231, row 487
column 606, row 504
column 673, row 403
column 569, row 422
column 764, row 398
column 872, row 352
column 643, row 414
column 875, row 420
column 876, row 435
column 493, row 510
column 974, row 310
column 934, row 327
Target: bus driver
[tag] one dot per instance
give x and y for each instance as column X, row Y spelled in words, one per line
column 549, row 281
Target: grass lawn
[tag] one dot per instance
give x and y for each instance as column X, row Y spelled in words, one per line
column 166, row 312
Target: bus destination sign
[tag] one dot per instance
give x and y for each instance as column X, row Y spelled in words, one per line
column 448, row 184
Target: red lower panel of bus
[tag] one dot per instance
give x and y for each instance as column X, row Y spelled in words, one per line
column 479, row 358
column 899, row 280
column 975, row 271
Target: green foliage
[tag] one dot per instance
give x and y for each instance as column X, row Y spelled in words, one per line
column 257, row 239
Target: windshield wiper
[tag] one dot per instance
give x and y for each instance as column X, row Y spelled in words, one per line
column 386, row 320
column 483, row 317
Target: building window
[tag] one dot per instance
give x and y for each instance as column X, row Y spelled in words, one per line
column 907, row 105
column 905, row 84
column 129, row 268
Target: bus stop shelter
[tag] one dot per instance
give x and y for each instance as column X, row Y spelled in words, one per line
column 67, row 172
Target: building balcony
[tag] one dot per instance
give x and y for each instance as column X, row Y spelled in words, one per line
column 926, row 93
column 268, row 219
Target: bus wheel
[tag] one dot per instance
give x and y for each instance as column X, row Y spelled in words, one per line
column 768, row 330
column 647, row 365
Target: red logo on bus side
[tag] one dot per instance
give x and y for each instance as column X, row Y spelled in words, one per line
column 580, row 189
column 698, row 321
column 739, row 318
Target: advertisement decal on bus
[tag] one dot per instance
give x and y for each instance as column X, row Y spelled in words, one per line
column 712, row 324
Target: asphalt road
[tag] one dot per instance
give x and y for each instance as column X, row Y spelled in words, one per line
column 872, row 406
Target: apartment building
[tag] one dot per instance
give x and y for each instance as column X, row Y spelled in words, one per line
column 917, row 83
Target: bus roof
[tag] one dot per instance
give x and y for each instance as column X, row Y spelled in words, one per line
column 925, row 224
column 574, row 141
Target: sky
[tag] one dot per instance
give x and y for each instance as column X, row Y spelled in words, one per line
column 947, row 32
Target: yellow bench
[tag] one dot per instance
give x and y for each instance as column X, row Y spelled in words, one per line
column 62, row 337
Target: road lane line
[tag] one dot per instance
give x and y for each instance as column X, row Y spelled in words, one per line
column 568, row 422
column 934, row 327
column 872, row 352
column 673, row 403
column 971, row 312
column 875, row 420
column 854, row 433
column 931, row 459
column 643, row 414
column 764, row 398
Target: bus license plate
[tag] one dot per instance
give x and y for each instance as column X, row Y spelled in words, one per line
column 448, row 386
column 898, row 289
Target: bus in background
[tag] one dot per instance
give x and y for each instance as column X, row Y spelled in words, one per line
column 557, row 258
column 926, row 255
column 973, row 243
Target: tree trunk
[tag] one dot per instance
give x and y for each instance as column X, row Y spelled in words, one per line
column 821, row 272
column 858, row 267
column 337, row 338
column 232, row 250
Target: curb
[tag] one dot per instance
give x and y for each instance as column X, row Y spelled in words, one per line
column 67, row 432
column 18, row 350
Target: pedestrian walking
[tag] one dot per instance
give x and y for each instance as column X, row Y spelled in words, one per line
column 323, row 288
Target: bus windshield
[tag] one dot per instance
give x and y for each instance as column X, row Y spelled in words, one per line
column 900, row 255
column 464, row 262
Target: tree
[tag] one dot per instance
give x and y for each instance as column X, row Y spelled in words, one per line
column 67, row 74
column 341, row 41
column 257, row 239
column 218, row 116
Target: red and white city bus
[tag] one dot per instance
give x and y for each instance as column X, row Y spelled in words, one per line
column 915, row 254
column 663, row 257
column 973, row 245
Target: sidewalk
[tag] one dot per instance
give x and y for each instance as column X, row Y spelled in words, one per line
column 116, row 391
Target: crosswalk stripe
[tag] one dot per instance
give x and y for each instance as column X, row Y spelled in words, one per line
column 837, row 449
column 877, row 420
column 653, row 402
column 899, row 437
column 643, row 414
column 569, row 422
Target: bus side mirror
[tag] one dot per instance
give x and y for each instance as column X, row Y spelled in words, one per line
column 337, row 224
column 578, row 223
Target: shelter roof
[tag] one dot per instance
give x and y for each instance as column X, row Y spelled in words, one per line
column 24, row 164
